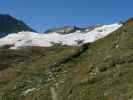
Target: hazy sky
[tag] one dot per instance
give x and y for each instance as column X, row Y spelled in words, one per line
column 44, row 14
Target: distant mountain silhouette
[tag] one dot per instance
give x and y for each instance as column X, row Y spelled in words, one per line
column 9, row 24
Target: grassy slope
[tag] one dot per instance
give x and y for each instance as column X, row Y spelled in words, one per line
column 30, row 68
column 104, row 72
column 98, row 71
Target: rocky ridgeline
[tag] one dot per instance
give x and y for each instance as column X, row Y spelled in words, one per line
column 9, row 24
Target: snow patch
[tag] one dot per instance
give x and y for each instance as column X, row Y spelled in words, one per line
column 23, row 39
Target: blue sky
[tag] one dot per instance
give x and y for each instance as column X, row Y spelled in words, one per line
column 44, row 14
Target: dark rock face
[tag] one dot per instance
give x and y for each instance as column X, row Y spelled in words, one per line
column 2, row 34
column 63, row 30
column 9, row 24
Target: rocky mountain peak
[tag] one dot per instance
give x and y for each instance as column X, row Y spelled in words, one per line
column 9, row 24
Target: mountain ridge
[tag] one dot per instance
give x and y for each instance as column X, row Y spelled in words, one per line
column 9, row 24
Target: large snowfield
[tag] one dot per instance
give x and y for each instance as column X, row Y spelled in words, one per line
column 23, row 39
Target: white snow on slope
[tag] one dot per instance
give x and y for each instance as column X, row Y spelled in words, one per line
column 22, row 39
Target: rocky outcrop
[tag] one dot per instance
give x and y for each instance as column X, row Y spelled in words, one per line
column 63, row 30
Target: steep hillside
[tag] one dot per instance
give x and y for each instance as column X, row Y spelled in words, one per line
column 95, row 71
column 9, row 24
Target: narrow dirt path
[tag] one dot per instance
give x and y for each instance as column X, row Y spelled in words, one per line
column 53, row 93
